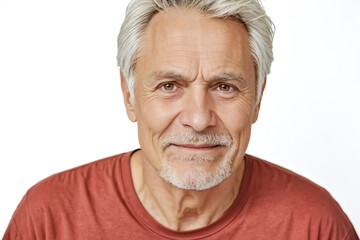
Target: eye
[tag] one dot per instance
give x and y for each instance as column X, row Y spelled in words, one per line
column 225, row 88
column 168, row 87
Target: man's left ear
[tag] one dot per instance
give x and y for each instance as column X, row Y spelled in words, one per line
column 129, row 103
column 257, row 109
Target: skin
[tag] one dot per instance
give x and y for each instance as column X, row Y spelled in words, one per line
column 179, row 89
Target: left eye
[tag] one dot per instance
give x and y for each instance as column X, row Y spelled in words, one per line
column 225, row 88
column 169, row 87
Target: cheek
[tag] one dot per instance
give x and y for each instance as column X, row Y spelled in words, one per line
column 236, row 115
column 158, row 116
column 154, row 117
column 236, row 118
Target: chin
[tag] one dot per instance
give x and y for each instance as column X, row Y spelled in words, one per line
column 196, row 172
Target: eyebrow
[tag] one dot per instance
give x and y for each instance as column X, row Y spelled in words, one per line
column 225, row 76
column 158, row 75
column 230, row 77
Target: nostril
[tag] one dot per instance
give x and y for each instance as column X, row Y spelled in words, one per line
column 198, row 120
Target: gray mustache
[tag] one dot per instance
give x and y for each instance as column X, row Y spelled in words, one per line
column 198, row 138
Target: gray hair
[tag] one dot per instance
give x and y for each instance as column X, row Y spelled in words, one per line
column 249, row 12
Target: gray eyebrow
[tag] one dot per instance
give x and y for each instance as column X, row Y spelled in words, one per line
column 158, row 75
column 167, row 75
column 230, row 77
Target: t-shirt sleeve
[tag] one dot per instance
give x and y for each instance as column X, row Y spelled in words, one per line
column 21, row 225
column 12, row 232
column 352, row 235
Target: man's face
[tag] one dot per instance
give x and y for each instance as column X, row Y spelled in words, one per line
column 194, row 98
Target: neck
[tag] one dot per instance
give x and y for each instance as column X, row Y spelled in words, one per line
column 180, row 209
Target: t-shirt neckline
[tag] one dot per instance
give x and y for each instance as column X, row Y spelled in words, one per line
column 143, row 217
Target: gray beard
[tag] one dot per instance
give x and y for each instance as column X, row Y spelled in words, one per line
column 197, row 178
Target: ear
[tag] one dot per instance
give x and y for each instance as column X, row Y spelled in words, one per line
column 129, row 103
column 257, row 109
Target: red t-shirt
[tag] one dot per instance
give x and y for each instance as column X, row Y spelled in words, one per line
column 98, row 201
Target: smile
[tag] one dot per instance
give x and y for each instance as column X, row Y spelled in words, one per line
column 196, row 146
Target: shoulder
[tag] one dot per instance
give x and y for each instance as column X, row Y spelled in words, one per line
column 70, row 199
column 72, row 180
column 295, row 199
column 274, row 179
column 69, row 189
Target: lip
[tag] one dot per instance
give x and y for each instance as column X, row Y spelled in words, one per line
column 196, row 146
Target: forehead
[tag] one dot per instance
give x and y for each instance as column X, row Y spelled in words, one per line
column 188, row 42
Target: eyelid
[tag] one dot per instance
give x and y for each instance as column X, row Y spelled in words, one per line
column 161, row 85
column 234, row 88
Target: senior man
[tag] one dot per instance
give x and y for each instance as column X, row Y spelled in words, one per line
column 192, row 76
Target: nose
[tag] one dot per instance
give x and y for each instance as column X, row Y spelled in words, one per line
column 197, row 110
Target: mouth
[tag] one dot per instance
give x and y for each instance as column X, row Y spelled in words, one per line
column 196, row 146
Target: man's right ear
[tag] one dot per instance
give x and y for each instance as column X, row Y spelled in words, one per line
column 128, row 101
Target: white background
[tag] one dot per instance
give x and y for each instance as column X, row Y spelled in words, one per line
column 61, row 105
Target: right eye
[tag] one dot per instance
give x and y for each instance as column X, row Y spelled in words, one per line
column 168, row 87
column 225, row 88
